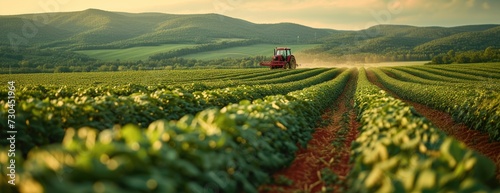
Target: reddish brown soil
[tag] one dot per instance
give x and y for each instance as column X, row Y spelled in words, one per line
column 320, row 153
column 474, row 139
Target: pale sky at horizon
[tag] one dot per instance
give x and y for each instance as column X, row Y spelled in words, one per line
column 334, row 14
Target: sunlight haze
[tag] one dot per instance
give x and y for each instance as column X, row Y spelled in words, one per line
column 334, row 14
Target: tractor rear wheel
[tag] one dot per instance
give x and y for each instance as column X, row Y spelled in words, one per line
column 293, row 63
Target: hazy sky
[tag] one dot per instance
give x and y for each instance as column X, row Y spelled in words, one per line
column 335, row 14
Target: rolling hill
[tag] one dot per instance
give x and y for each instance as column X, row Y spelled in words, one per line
column 470, row 40
column 92, row 28
column 383, row 39
column 140, row 35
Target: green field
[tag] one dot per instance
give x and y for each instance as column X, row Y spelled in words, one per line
column 132, row 54
column 177, row 130
column 142, row 53
column 148, row 77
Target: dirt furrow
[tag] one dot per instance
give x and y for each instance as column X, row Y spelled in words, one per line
column 327, row 153
column 474, row 139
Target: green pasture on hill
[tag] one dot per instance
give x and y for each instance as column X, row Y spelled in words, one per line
column 143, row 52
column 132, row 54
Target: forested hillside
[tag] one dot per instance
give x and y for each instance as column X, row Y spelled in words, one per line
column 399, row 43
column 49, row 42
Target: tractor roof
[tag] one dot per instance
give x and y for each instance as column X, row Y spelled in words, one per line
column 282, row 48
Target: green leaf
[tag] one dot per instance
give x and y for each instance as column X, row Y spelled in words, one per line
column 426, row 180
column 131, row 134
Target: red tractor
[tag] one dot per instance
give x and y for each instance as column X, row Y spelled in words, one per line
column 282, row 58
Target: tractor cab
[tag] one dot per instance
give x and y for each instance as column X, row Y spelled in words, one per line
column 281, row 54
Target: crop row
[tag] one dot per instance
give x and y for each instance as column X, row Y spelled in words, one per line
column 151, row 77
column 481, row 72
column 451, row 74
column 276, row 78
column 454, row 73
column 403, row 76
column 259, row 78
column 222, row 74
column 269, row 76
column 44, row 120
column 233, row 149
column 399, row 150
column 489, row 68
column 428, row 75
column 282, row 79
column 482, row 66
column 477, row 108
column 56, row 92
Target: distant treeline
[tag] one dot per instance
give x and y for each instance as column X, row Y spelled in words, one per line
column 490, row 54
column 33, row 60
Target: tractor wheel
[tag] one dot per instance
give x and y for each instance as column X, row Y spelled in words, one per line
column 286, row 66
column 294, row 63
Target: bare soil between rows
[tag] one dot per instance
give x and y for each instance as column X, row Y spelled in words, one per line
column 320, row 152
column 473, row 139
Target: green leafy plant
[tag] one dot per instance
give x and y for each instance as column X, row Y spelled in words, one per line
column 398, row 150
